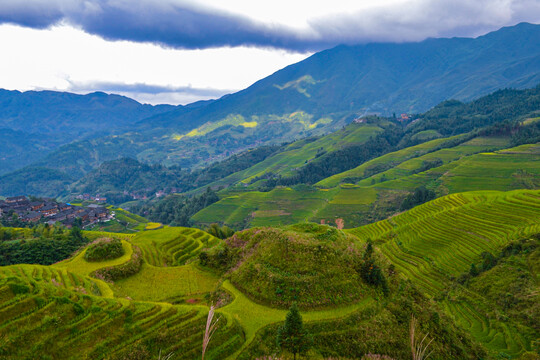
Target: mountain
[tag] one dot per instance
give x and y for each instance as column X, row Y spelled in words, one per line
column 33, row 123
column 385, row 78
column 314, row 97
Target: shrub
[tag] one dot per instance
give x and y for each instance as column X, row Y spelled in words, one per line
column 78, row 309
column 104, row 249
column 114, row 273
column 18, row 289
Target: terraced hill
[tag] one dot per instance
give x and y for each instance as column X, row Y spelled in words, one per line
column 434, row 244
column 68, row 311
column 376, row 188
column 303, row 151
column 81, row 320
column 172, row 246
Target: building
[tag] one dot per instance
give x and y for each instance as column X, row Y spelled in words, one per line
column 36, row 205
column 31, row 216
column 49, row 209
column 16, row 199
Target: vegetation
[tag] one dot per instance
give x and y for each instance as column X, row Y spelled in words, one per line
column 221, row 232
column 122, row 179
column 450, row 271
column 281, row 267
column 122, row 271
column 176, row 210
column 104, row 249
column 42, row 245
column 292, row 336
column 145, row 306
column 420, row 196
column 172, row 246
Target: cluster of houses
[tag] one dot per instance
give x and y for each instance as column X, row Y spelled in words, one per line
column 51, row 212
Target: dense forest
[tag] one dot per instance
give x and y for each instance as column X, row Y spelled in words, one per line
column 43, row 244
column 120, row 180
column 176, row 210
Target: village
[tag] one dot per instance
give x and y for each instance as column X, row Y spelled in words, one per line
column 51, row 212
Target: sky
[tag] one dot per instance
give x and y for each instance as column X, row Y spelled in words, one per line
column 181, row 51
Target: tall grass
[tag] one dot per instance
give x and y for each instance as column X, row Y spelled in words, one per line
column 166, row 357
column 418, row 349
column 211, row 326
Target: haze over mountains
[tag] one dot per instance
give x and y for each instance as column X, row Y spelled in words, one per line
column 34, row 123
column 312, row 97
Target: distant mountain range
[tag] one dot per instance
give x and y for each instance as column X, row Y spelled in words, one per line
column 33, row 123
column 385, row 78
column 313, row 97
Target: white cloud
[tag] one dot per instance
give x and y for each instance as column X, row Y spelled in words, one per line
column 238, row 40
column 65, row 59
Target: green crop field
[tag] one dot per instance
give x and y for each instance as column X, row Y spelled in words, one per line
column 435, row 243
column 62, row 312
column 171, row 246
column 277, row 207
column 162, row 284
column 385, row 162
column 472, row 165
column 302, row 151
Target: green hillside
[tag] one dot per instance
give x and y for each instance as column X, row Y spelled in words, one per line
column 377, row 188
column 436, row 243
column 311, row 98
column 303, row 151
column 35, row 123
column 146, row 301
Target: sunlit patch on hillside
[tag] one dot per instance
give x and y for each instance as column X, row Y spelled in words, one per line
column 531, row 120
column 299, row 85
column 249, row 124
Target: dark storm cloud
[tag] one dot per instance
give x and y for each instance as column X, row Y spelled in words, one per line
column 190, row 26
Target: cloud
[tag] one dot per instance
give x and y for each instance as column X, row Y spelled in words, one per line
column 188, row 25
column 148, row 93
column 420, row 19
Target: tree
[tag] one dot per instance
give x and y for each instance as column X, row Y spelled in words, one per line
column 473, row 271
column 292, row 336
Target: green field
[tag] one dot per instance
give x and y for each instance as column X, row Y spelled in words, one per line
column 123, row 222
column 280, row 206
column 472, row 165
column 302, row 151
column 171, row 246
column 435, row 243
column 58, row 311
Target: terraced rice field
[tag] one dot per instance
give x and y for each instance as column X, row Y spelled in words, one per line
column 277, row 207
column 172, row 246
column 174, row 284
column 92, row 235
column 499, row 336
column 53, row 322
column 297, row 153
column 441, row 239
column 435, row 243
column 469, row 166
column 447, row 155
column 387, row 161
